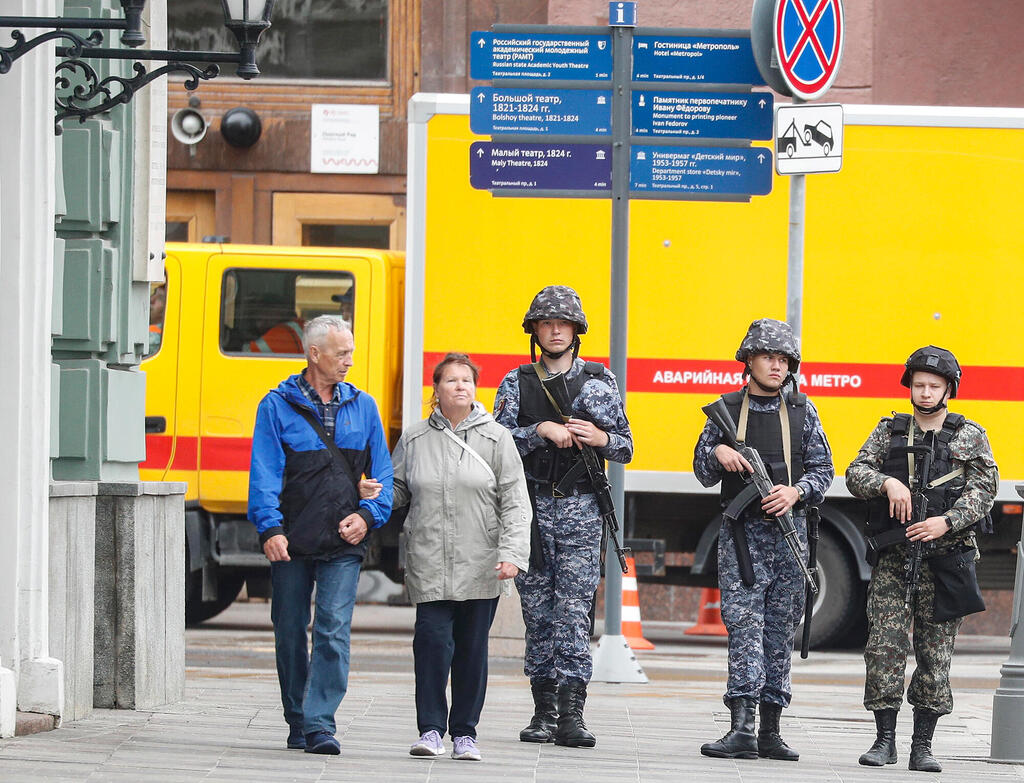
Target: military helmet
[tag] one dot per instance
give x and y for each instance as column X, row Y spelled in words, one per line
column 766, row 335
column 556, row 302
column 934, row 360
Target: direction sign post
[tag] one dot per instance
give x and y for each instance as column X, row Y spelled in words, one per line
column 554, row 89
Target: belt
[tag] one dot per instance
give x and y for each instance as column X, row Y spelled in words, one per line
column 544, row 490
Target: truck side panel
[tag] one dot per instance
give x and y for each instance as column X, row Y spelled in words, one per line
column 913, row 242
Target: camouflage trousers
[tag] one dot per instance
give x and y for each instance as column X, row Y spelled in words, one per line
column 557, row 599
column 885, row 655
column 761, row 619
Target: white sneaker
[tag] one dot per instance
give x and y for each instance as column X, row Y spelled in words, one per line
column 465, row 749
column 429, row 744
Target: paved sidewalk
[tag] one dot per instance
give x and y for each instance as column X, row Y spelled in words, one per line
column 229, row 726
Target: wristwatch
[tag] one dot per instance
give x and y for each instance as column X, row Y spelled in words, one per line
column 800, row 494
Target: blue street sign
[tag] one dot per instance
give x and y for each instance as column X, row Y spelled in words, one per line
column 687, row 58
column 522, row 166
column 533, row 56
column 496, row 110
column 622, row 14
column 708, row 170
column 702, row 114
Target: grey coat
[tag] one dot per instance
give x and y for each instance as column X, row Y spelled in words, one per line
column 461, row 522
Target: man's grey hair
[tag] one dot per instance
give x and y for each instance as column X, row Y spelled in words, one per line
column 316, row 329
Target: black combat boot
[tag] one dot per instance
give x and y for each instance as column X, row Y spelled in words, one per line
column 921, row 758
column 545, row 712
column 884, row 750
column 770, row 744
column 739, row 742
column 571, row 730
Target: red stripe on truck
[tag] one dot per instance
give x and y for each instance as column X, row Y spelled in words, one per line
column 225, row 454
column 818, row 379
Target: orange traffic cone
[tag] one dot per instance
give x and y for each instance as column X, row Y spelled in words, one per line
column 631, row 627
column 709, row 615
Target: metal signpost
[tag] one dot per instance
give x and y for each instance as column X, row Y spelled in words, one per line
column 798, row 46
column 687, row 137
column 1008, row 700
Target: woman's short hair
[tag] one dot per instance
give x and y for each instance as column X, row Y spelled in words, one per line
column 452, row 357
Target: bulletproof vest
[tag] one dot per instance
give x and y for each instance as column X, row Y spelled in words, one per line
column 764, row 433
column 895, row 464
column 548, row 464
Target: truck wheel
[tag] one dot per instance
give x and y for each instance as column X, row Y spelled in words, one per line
column 839, row 605
column 196, row 609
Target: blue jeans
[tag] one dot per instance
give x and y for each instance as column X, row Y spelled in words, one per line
column 312, row 686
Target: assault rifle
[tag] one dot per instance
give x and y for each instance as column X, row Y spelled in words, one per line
column 558, row 395
column 762, row 482
column 919, row 513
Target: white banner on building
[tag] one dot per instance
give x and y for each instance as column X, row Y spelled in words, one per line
column 344, row 139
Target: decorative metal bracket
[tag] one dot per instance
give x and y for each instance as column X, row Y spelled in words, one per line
column 78, row 103
column 79, row 85
column 21, row 46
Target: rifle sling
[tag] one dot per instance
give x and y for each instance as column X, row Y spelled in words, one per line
column 943, row 479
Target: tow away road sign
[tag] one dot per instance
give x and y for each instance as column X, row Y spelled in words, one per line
column 726, row 171
column 688, row 58
column 540, row 56
column 809, row 37
column 809, row 138
column 498, row 110
column 549, row 167
column 702, row 114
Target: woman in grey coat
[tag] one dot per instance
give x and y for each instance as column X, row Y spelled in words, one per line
column 467, row 530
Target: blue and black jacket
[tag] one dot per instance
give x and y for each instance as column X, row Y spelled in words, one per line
column 295, row 487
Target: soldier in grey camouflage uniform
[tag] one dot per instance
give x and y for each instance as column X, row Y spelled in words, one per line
column 762, row 617
column 558, row 592
column 957, row 502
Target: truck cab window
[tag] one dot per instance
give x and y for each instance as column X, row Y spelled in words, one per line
column 263, row 311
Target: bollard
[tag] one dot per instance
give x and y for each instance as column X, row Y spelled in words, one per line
column 1008, row 702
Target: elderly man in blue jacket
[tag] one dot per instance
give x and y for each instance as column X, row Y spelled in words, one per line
column 305, row 501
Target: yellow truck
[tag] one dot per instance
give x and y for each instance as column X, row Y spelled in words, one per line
column 913, row 242
column 215, row 362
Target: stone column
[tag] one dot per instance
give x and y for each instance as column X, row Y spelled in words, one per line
column 27, row 162
column 140, row 594
column 72, row 575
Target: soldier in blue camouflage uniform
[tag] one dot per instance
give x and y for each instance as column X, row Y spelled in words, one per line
column 963, row 481
column 762, row 617
column 558, row 591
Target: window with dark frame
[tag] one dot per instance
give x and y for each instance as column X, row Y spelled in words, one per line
column 308, row 39
column 263, row 311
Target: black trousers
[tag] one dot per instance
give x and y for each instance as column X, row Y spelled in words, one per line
column 451, row 638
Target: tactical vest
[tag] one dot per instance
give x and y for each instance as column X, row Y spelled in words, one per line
column 548, row 464
column 941, row 491
column 764, row 433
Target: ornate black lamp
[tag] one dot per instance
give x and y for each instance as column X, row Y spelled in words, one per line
column 79, row 86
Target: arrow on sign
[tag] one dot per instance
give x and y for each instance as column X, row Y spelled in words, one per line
column 760, row 158
column 761, row 103
column 479, row 153
column 481, row 43
column 480, row 97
